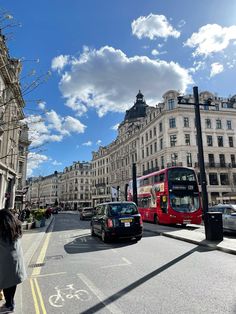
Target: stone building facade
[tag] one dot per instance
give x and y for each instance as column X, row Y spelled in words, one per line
column 43, row 191
column 164, row 136
column 13, row 133
column 75, row 186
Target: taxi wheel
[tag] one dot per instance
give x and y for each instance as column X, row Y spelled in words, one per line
column 92, row 231
column 104, row 236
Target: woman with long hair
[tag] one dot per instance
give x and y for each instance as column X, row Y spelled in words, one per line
column 12, row 268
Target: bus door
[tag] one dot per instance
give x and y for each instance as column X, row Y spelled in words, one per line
column 163, row 217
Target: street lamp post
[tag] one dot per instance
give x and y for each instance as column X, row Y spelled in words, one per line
column 134, row 175
column 213, row 228
column 200, row 152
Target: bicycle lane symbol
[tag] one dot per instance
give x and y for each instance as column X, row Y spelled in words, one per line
column 68, row 293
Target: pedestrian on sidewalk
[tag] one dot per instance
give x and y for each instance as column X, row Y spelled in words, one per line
column 12, row 268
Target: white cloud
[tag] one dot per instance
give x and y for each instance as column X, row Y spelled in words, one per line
column 197, row 66
column 216, row 68
column 155, row 52
column 89, row 143
column 59, row 62
column 99, row 142
column 42, row 105
column 153, row 26
column 107, row 80
column 56, row 163
column 52, row 129
column 181, row 23
column 34, row 161
column 211, row 38
column 115, row 127
column 71, row 124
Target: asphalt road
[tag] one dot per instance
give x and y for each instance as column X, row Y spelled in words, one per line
column 73, row 272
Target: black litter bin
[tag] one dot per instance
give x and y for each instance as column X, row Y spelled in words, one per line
column 213, row 226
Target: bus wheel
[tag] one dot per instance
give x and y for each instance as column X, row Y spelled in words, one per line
column 156, row 221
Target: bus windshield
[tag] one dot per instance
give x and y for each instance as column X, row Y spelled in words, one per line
column 184, row 203
column 181, row 174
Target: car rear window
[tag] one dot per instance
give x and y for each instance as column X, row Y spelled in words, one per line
column 217, row 209
column 87, row 209
column 122, row 209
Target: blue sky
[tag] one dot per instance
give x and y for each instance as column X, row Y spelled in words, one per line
column 100, row 53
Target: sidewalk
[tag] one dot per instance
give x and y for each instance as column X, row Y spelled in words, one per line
column 194, row 234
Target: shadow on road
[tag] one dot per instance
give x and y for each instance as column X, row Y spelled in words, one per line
column 101, row 305
column 86, row 243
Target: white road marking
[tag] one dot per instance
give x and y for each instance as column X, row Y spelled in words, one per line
column 127, row 263
column 126, row 260
column 98, row 293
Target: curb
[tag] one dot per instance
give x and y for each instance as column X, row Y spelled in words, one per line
column 205, row 243
column 28, row 255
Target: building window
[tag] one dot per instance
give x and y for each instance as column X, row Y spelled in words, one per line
column 218, row 124
column 142, row 153
column 143, row 168
column 208, row 123
column 174, row 158
column 231, row 141
column 229, row 124
column 151, row 152
column 172, row 123
column 189, row 159
column 224, row 179
column 220, row 141
column 146, row 137
column 173, row 140
column 171, row 104
column 162, row 162
column 187, row 139
column 154, row 131
column 142, row 139
column 222, row 160
column 150, row 134
column 156, row 163
column 233, row 163
column 186, row 122
column 209, row 140
column 213, row 179
column 161, row 143
column 211, row 159
column 160, row 127
column 147, row 151
column 155, row 147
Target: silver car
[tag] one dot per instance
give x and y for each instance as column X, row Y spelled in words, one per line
column 228, row 215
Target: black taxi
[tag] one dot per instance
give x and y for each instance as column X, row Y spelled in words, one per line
column 113, row 220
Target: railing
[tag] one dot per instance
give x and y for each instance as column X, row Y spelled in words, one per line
column 150, row 170
column 217, row 165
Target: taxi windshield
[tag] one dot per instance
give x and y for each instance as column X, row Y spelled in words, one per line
column 122, row 209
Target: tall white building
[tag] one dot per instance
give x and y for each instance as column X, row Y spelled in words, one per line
column 75, row 186
column 13, row 134
column 164, row 136
column 43, row 191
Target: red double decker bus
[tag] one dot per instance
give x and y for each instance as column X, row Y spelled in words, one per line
column 169, row 196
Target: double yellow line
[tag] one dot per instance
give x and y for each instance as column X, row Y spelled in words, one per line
column 36, row 293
